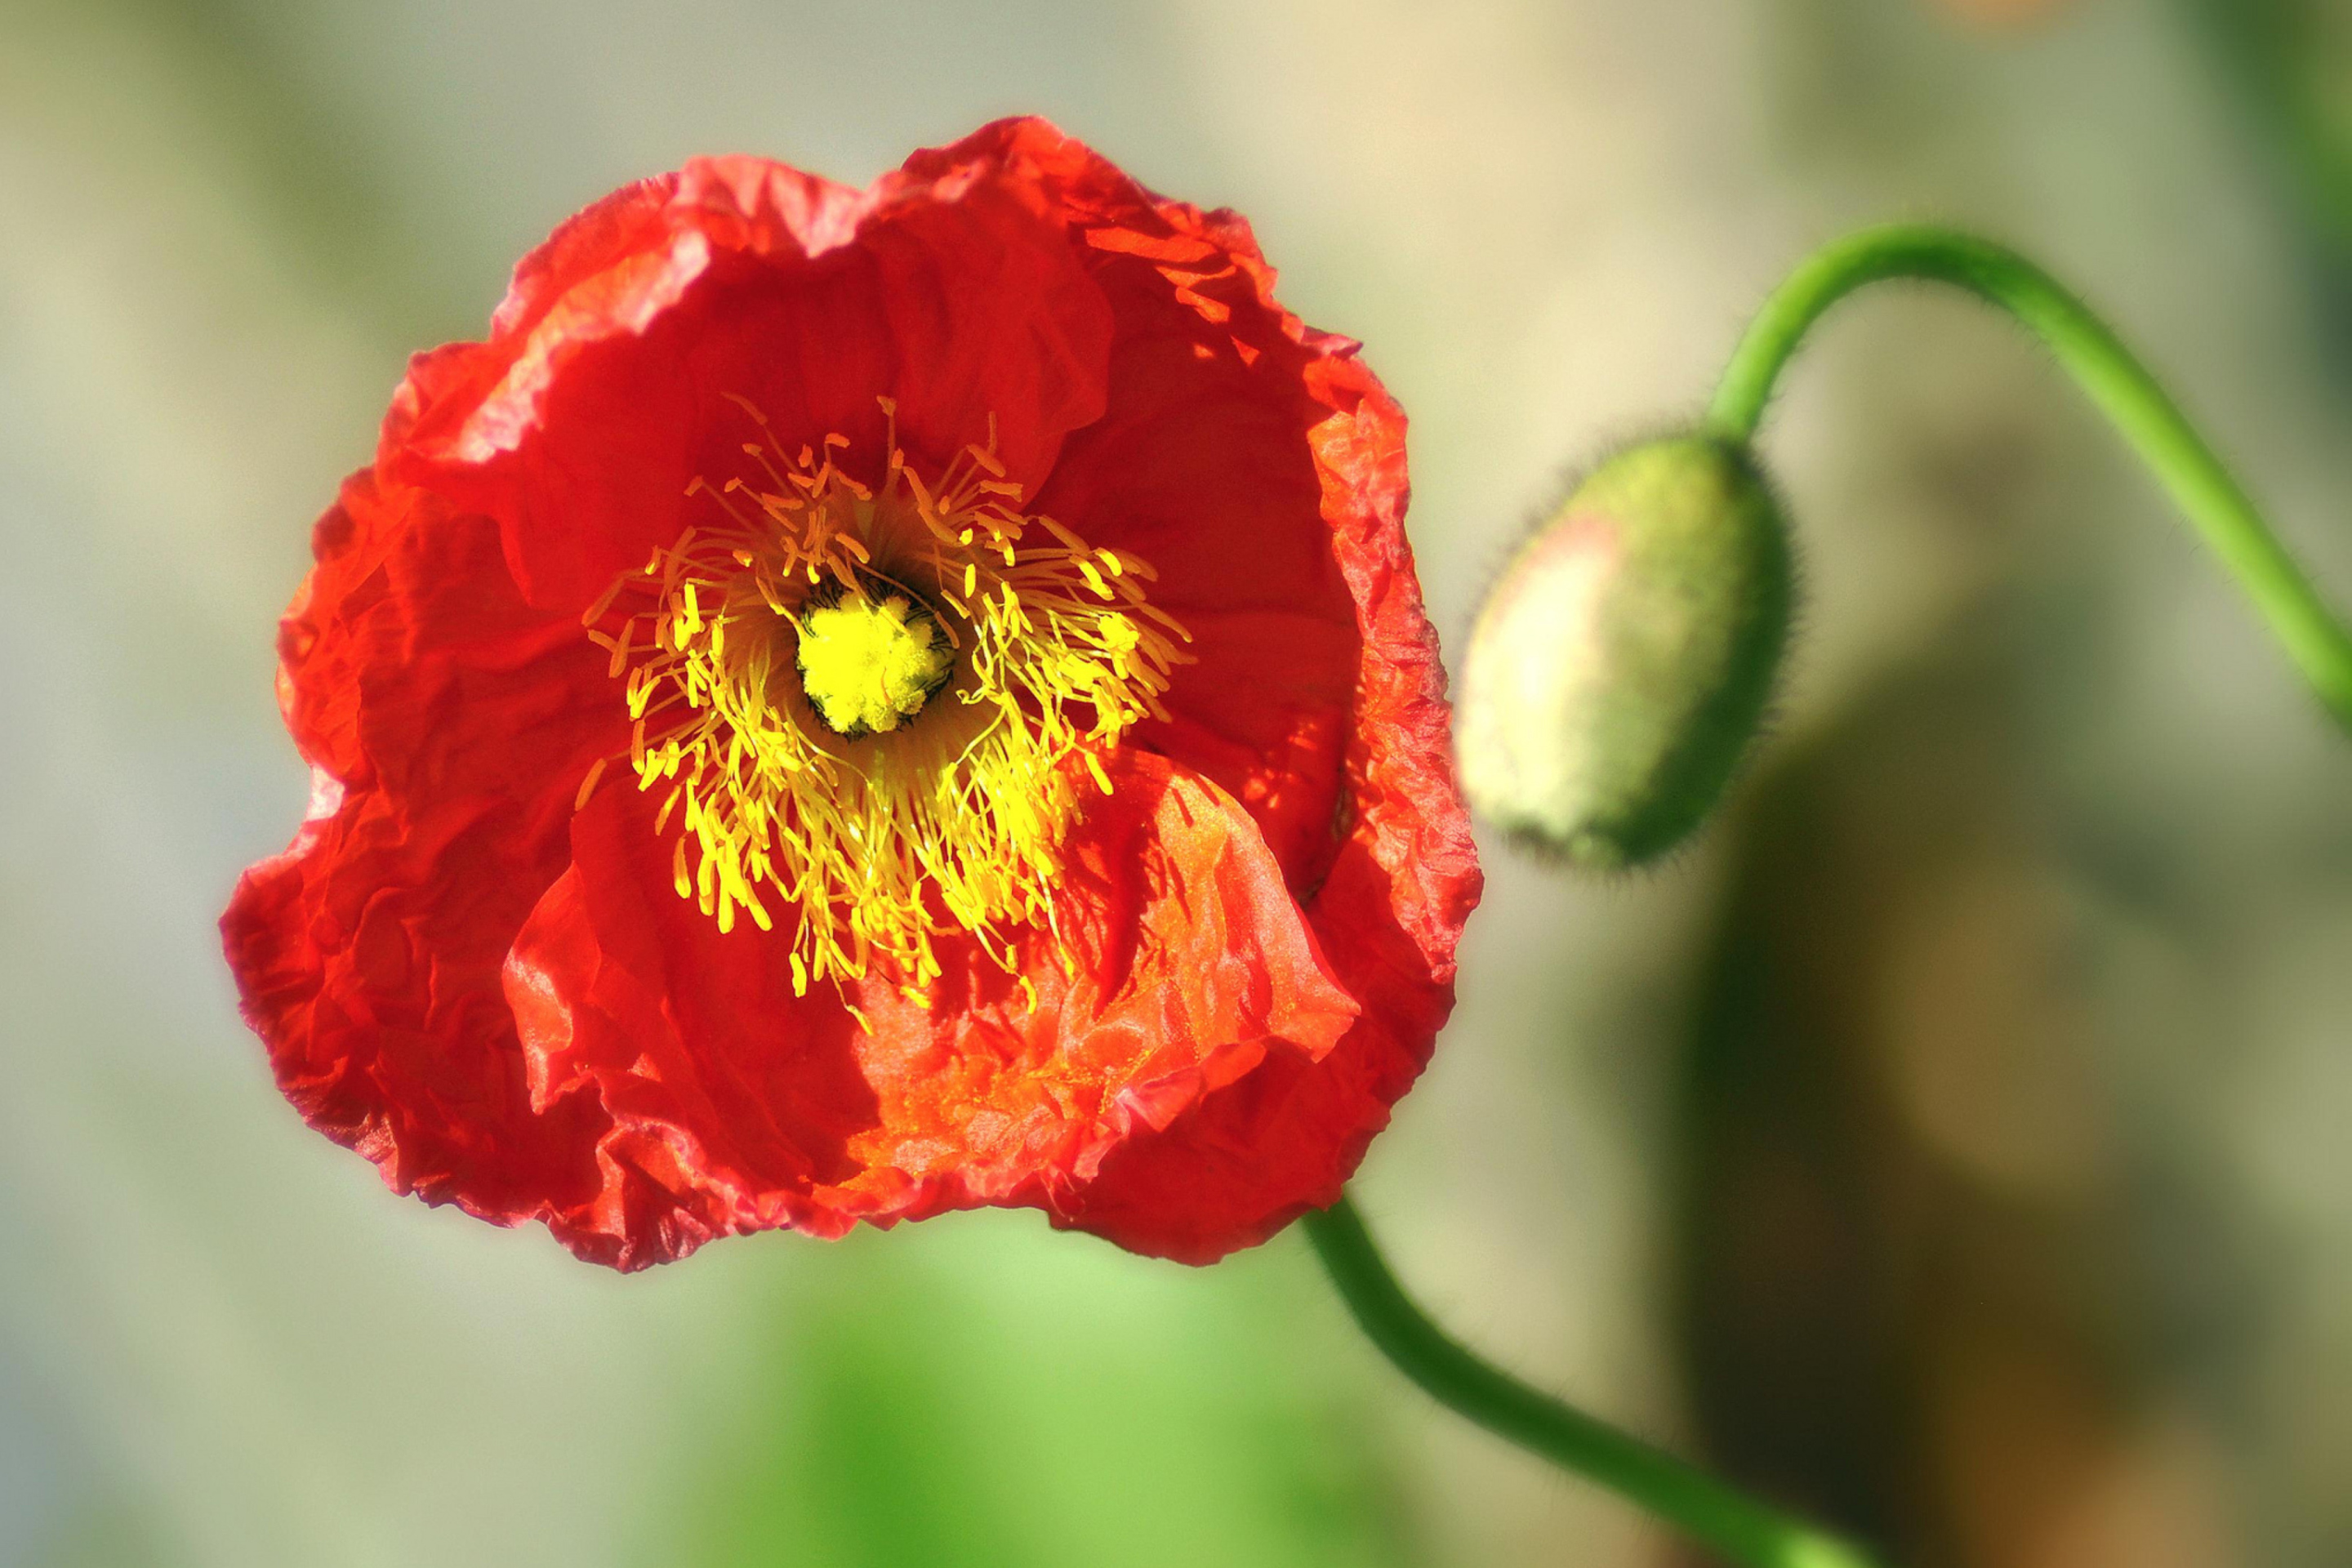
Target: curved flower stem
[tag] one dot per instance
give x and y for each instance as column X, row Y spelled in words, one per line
column 1705, row 1509
column 2122, row 387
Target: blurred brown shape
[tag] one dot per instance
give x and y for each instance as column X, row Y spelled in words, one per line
column 1917, row 1294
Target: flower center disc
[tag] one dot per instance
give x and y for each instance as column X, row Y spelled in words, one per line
column 867, row 666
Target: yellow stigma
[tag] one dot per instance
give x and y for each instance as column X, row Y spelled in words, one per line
column 866, row 665
column 871, row 711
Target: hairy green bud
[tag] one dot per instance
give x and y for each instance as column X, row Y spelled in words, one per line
column 1623, row 662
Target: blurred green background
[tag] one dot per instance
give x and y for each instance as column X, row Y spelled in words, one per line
column 1958, row 1142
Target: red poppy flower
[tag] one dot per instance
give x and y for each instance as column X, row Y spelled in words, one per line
column 850, row 705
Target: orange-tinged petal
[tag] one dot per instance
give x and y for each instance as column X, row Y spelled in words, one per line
column 736, row 1105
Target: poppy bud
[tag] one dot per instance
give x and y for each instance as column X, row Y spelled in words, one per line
column 1621, row 664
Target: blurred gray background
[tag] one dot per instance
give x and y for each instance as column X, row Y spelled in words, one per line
column 1959, row 1141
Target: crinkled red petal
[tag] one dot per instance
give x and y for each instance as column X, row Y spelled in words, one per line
column 737, row 1106
column 1390, row 908
column 1202, row 464
column 446, row 725
column 1262, row 467
column 740, row 279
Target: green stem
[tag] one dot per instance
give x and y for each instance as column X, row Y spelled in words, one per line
column 1703, row 1507
column 2148, row 419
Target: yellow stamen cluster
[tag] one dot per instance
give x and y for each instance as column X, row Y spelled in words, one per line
column 867, row 665
column 867, row 706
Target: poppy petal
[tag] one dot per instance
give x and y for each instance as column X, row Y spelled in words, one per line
column 736, row 1105
column 446, row 723
column 1251, row 1157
